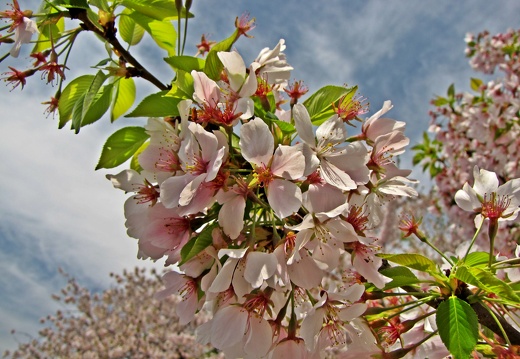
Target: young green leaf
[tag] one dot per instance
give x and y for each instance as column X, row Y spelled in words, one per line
column 100, row 4
column 156, row 105
column 186, row 63
column 487, row 281
column 49, row 31
column 319, row 104
column 162, row 32
column 94, row 103
column 98, row 105
column 134, row 163
column 156, row 9
column 451, row 92
column 213, row 66
column 124, row 97
column 121, row 145
column 477, row 259
column 458, row 327
column 74, row 91
column 414, row 261
column 475, row 84
column 130, row 31
column 401, row 276
column 197, row 244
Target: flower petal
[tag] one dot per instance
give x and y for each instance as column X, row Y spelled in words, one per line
column 256, row 142
column 284, row 197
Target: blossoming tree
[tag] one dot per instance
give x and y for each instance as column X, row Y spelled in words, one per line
column 478, row 128
column 123, row 321
column 266, row 206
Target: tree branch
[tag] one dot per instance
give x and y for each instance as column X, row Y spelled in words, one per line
column 108, row 33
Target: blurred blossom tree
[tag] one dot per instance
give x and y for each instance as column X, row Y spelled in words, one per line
column 266, row 202
column 124, row 321
column 480, row 128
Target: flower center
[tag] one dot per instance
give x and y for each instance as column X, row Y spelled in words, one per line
column 264, row 175
column 494, row 206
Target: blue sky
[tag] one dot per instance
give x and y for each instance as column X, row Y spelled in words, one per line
column 56, row 211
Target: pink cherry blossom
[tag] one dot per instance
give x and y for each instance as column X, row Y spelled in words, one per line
column 201, row 155
column 488, row 199
column 187, row 289
column 341, row 166
column 276, row 170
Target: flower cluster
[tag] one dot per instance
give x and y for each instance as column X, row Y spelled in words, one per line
column 258, row 207
column 481, row 128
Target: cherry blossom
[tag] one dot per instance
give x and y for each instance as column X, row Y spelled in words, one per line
column 276, row 170
column 488, row 199
column 342, row 167
column 201, row 155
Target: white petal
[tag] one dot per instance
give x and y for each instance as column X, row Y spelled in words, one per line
column 305, row 273
column 259, row 267
column 331, row 131
column 235, row 68
column 466, row 198
column 256, row 142
column 311, row 326
column 231, row 216
column 288, row 162
column 336, row 177
column 284, row 197
column 225, row 275
column 260, row 337
column 303, row 124
column 352, row 312
column 486, row 182
column 127, row 180
column 229, row 326
column 206, row 90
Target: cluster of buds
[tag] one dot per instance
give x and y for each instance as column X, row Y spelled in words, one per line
column 258, row 208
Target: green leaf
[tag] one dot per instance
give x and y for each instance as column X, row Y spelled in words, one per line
column 81, row 4
column 477, row 259
column 451, row 91
column 156, row 105
column 185, row 83
column 401, row 276
column 103, row 62
column 134, row 163
column 197, row 244
column 475, row 84
column 130, row 31
column 156, row 9
column 414, row 261
column 440, row 101
column 74, row 91
column 487, row 281
column 124, row 97
column 100, row 4
column 186, row 63
column 285, row 127
column 121, row 145
column 458, row 327
column 162, row 32
column 98, row 106
column 182, row 87
column 49, row 31
column 319, row 104
column 213, row 66
column 94, row 103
